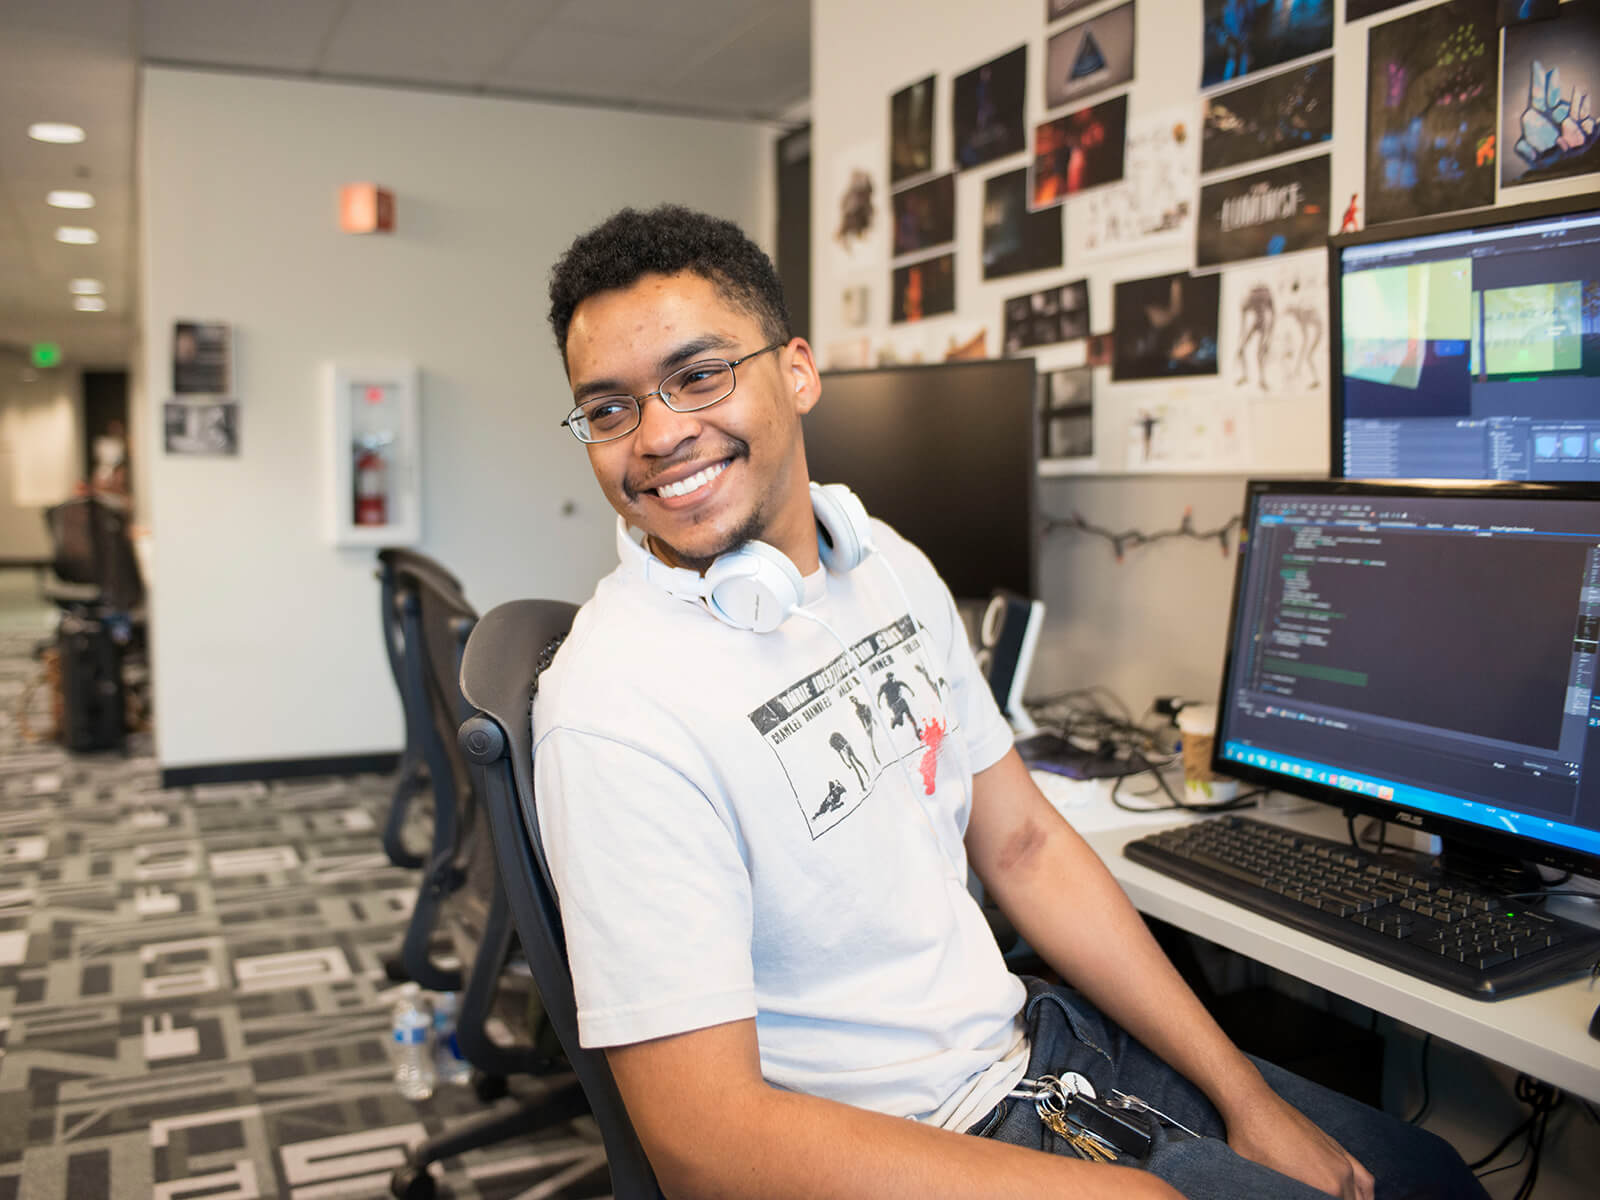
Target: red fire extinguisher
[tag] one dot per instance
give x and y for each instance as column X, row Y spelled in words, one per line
column 372, row 489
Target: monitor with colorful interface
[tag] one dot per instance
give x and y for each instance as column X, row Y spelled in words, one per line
column 1468, row 346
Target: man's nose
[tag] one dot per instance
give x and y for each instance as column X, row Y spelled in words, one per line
column 662, row 430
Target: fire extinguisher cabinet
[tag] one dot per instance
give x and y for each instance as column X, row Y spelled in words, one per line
column 374, row 436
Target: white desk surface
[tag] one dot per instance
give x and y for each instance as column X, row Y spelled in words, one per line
column 1544, row 1033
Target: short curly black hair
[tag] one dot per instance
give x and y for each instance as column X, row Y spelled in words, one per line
column 664, row 241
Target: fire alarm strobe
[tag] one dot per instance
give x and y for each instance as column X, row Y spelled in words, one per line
column 366, row 208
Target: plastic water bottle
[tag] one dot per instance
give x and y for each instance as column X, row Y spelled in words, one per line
column 449, row 1064
column 413, row 1058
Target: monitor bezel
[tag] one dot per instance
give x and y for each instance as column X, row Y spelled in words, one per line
column 1021, row 363
column 1464, row 833
column 1489, row 217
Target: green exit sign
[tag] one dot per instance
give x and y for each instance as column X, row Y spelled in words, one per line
column 45, row 354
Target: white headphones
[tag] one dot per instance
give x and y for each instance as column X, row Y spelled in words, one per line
column 756, row 587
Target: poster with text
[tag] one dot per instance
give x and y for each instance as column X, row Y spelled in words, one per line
column 987, row 108
column 1242, row 36
column 1276, row 211
column 1274, row 340
column 911, row 130
column 1153, row 205
column 1430, row 111
column 1081, row 150
column 1289, row 111
column 1550, row 98
column 1014, row 239
column 925, row 215
column 1164, row 326
column 1088, row 57
column 924, row 289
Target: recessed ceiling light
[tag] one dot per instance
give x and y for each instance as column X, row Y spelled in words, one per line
column 69, row 200
column 77, row 235
column 89, row 304
column 86, row 287
column 58, row 132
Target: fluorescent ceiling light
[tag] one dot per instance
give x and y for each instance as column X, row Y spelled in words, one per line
column 77, row 235
column 89, row 304
column 86, row 287
column 69, row 200
column 58, row 132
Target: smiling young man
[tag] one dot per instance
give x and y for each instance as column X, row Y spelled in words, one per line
column 775, row 943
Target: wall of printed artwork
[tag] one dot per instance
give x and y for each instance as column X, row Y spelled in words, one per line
column 1181, row 229
column 1015, row 181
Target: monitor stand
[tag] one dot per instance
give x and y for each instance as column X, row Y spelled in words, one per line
column 1487, row 869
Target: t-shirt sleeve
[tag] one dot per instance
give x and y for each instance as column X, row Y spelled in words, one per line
column 655, row 895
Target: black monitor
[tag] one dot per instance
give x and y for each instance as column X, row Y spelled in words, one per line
column 1424, row 654
column 945, row 454
column 1468, row 346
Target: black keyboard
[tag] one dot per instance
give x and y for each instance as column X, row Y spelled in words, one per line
column 1459, row 937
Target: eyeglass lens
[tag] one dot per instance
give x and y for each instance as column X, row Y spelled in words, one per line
column 699, row 385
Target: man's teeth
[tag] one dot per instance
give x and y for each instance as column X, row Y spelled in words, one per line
column 694, row 483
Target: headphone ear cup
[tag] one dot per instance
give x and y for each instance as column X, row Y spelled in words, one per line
column 754, row 587
column 844, row 534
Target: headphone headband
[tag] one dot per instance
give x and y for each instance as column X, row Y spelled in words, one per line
column 756, row 586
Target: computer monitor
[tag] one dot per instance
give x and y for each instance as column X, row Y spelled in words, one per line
column 945, row 454
column 1468, row 346
column 1424, row 654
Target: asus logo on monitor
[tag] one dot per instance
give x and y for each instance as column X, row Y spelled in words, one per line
column 1408, row 818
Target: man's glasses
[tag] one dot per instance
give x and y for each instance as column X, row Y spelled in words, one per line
column 688, row 389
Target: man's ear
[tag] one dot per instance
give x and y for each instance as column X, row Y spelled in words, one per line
column 802, row 375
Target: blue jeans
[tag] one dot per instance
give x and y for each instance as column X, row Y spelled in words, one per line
column 1067, row 1033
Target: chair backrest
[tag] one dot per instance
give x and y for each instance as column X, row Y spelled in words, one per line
column 435, row 619
column 90, row 545
column 509, row 647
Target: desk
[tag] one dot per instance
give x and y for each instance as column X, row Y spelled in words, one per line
column 1544, row 1033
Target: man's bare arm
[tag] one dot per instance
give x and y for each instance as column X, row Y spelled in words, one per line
column 1062, row 899
column 714, row 1129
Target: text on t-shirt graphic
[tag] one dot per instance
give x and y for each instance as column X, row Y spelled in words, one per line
column 837, row 730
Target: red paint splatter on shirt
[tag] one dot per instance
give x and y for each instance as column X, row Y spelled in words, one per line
column 932, row 737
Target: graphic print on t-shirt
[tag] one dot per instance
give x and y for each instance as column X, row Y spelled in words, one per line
column 838, row 730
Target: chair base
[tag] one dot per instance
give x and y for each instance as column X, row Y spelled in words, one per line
column 552, row 1106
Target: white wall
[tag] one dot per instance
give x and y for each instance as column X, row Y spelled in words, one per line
column 1154, row 624
column 266, row 641
column 40, row 448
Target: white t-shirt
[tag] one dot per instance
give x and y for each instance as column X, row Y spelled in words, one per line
column 758, row 825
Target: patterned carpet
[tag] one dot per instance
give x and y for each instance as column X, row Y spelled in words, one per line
column 191, row 1001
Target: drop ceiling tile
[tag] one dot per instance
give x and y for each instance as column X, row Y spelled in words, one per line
column 425, row 41
column 284, row 35
column 690, row 20
column 581, row 62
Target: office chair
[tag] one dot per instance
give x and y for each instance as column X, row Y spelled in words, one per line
column 500, row 669
column 459, row 889
column 100, row 636
column 434, row 620
column 93, row 559
column 411, row 776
